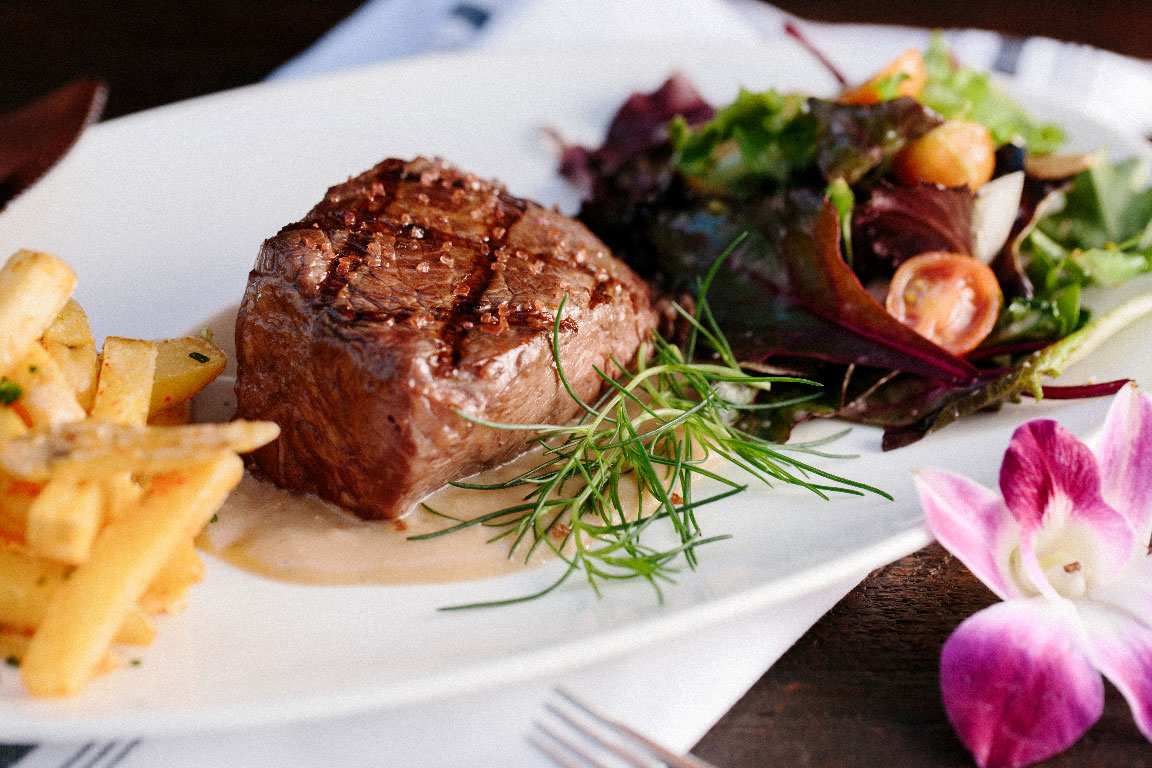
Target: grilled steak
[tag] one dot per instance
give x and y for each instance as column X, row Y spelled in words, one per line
column 412, row 290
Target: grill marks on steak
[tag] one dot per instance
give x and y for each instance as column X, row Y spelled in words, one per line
column 410, row 291
column 464, row 252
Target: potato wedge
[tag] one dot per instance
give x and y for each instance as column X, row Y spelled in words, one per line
column 82, row 619
column 184, row 366
column 34, row 287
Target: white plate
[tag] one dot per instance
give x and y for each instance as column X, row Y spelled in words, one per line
column 162, row 214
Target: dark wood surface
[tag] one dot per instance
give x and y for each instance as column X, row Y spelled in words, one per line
column 861, row 687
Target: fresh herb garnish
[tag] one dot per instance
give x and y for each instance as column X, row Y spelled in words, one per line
column 12, row 661
column 10, row 391
column 660, row 425
column 198, row 357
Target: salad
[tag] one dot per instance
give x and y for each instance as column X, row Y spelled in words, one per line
column 918, row 244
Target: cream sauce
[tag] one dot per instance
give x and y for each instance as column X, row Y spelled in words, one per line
column 305, row 540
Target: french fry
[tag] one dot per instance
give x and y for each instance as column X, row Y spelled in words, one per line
column 103, row 482
column 64, row 519
column 43, row 390
column 97, row 448
column 124, row 385
column 82, row 619
column 27, row 585
column 167, row 592
column 34, row 287
column 184, row 366
column 70, row 343
column 14, row 644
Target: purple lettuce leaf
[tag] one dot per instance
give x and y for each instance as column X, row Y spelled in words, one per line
column 896, row 223
column 640, row 124
column 785, row 289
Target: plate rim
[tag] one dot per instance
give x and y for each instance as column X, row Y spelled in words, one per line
column 555, row 657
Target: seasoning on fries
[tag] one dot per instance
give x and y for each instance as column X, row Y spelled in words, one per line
column 103, row 482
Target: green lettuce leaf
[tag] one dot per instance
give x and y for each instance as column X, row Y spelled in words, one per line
column 1108, row 206
column 758, row 142
column 957, row 92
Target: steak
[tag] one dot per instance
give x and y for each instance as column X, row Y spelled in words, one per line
column 411, row 292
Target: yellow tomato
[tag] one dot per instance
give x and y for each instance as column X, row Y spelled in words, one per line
column 948, row 298
column 956, row 154
column 909, row 66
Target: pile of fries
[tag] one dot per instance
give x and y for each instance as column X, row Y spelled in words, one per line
column 103, row 483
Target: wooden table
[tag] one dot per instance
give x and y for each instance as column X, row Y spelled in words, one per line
column 860, row 688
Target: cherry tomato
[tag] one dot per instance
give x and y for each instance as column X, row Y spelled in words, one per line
column 955, row 154
column 910, row 64
column 948, row 298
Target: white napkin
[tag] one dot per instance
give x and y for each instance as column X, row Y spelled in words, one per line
column 674, row 692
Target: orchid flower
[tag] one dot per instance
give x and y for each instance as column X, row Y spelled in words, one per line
column 1066, row 548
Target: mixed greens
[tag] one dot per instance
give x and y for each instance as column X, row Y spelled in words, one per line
column 916, row 244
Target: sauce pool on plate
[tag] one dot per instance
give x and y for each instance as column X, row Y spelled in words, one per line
column 302, row 539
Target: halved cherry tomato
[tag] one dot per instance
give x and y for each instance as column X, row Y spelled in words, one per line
column 909, row 64
column 948, row 298
column 955, row 154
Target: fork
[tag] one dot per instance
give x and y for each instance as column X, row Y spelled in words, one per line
column 591, row 738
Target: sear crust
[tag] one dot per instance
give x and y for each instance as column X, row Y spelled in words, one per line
column 410, row 292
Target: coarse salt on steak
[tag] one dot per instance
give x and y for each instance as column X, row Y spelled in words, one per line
column 412, row 290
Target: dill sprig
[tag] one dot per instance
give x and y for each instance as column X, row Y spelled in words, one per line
column 659, row 426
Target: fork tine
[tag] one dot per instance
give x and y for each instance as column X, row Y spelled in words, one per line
column 561, row 749
column 670, row 758
column 612, row 743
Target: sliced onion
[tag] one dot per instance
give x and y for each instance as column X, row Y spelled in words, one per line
column 997, row 205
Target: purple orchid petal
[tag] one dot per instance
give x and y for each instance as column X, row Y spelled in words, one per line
column 1016, row 685
column 1125, row 456
column 1121, row 647
column 1051, row 481
column 972, row 523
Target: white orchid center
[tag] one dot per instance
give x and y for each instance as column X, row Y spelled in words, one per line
column 1067, row 552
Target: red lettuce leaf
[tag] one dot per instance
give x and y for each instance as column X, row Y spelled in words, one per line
column 897, row 223
column 640, row 124
column 785, row 289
